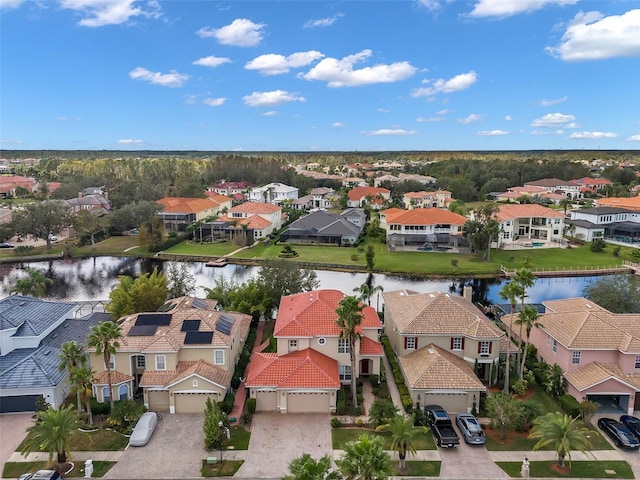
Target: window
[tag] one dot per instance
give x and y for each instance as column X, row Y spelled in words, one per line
column 457, row 343
column 322, row 341
column 575, row 358
column 194, row 383
column 112, row 363
column 105, row 394
column 555, row 346
column 141, row 362
column 548, row 339
column 484, row 347
column 410, row 343
column 218, row 357
column 345, row 372
column 343, row 345
column 123, row 392
column 161, row 362
column 637, row 361
column 293, row 345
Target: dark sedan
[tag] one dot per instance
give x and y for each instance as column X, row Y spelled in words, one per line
column 632, row 423
column 621, row 435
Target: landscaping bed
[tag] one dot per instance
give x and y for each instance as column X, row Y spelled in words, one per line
column 581, row 469
column 226, row 468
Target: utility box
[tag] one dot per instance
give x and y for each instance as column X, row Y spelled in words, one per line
column 88, row 469
column 212, row 460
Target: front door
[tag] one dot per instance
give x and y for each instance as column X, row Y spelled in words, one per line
column 482, row 371
column 364, row 367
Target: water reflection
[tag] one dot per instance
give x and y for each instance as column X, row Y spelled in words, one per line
column 93, row 279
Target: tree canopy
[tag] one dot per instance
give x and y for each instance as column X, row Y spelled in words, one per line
column 144, row 294
column 616, row 293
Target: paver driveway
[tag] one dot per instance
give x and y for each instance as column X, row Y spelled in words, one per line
column 176, row 450
column 277, row 439
column 13, row 429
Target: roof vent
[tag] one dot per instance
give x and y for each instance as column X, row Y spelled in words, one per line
column 66, row 325
column 55, row 335
column 432, row 295
column 588, row 305
column 47, row 352
column 431, row 350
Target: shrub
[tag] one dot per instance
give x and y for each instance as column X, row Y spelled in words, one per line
column 341, row 405
column 251, row 405
column 98, row 408
column 23, row 250
column 354, row 257
column 335, row 422
column 360, row 422
column 407, row 403
column 227, row 404
column 520, row 386
column 570, row 405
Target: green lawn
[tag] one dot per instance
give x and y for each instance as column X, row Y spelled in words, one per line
column 340, row 436
column 595, row 469
column 100, row 441
column 239, row 438
column 226, row 468
column 15, row 469
column 429, row 468
column 206, row 249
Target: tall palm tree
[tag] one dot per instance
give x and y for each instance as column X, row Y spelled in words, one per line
column 525, row 278
column 367, row 291
column 365, row 459
column 35, row 284
column 82, row 380
column 527, row 317
column 51, row 432
column 72, row 356
column 402, row 436
column 104, row 338
column 561, row 432
column 307, row 468
column 349, row 318
column 510, row 292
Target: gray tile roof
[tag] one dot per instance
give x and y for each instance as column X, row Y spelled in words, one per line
column 38, row 367
column 32, row 315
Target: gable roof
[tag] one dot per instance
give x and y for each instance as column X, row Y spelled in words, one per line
column 432, row 368
column 306, row 368
column 32, row 316
column 527, row 210
column 359, row 193
column 255, row 208
column 324, row 223
column 437, row 313
column 311, row 314
column 184, row 370
column 187, row 205
column 423, row 216
column 631, row 203
column 549, row 182
column 594, row 373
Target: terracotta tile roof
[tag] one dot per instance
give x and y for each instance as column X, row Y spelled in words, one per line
column 433, row 368
column 101, row 378
column 511, row 212
column 369, row 347
column 632, row 203
column 311, row 314
column 187, row 205
column 254, row 222
column 594, row 373
column 156, row 378
column 219, row 199
column 359, row 193
column 424, row 216
column 185, row 369
column 549, row 182
column 255, row 208
column 302, row 369
column 438, row 313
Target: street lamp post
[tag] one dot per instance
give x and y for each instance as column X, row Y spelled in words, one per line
column 221, row 425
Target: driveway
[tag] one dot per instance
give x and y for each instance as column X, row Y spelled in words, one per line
column 468, row 461
column 13, row 429
column 176, row 450
column 277, row 439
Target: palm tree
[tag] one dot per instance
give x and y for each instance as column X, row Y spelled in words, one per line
column 306, row 468
column 561, row 432
column 82, row 380
column 367, row 291
column 104, row 338
column 381, row 411
column 510, row 292
column 402, row 436
column 72, row 356
column 35, row 284
column 349, row 318
column 528, row 317
column 51, row 432
column 365, row 459
column 525, row 279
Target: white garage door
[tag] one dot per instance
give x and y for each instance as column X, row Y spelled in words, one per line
column 266, row 401
column 451, row 402
column 192, row 402
column 158, row 401
column 308, row 402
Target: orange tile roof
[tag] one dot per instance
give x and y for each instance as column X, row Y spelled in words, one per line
column 424, row 216
column 255, row 208
column 311, row 314
column 187, row 205
column 185, row 369
column 632, row 203
column 369, row 347
column 510, row 212
column 254, row 222
column 359, row 193
column 302, row 369
column 102, row 378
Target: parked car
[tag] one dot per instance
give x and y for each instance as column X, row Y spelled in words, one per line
column 144, row 429
column 42, row 475
column 53, row 237
column 632, row 423
column 471, row 430
column 621, row 435
column 6, row 245
column 441, row 426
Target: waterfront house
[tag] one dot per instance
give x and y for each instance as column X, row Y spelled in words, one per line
column 180, row 212
column 325, row 227
column 529, row 225
column 422, row 227
column 610, row 223
column 275, row 193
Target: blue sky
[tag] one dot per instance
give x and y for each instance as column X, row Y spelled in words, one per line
column 320, row 76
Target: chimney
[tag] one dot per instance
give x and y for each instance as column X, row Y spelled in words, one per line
column 79, row 194
column 467, row 293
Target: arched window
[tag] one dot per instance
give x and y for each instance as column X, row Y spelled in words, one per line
column 105, row 394
column 123, row 392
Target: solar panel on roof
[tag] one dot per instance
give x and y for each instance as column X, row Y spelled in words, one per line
column 228, row 318
column 166, row 307
column 223, row 326
column 199, row 303
column 190, row 325
column 157, row 319
column 198, row 338
column 143, row 330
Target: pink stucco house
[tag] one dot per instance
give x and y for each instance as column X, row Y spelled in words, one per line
column 599, row 351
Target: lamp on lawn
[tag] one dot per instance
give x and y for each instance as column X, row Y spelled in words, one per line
column 222, row 433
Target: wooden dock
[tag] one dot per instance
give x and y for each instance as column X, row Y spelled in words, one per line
column 217, row 263
column 594, row 270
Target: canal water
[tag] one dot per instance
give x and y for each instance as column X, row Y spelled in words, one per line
column 93, row 278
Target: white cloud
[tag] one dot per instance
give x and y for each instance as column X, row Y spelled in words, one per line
column 240, row 33
column 214, row 102
column 429, row 119
column 323, row 22
column 431, row 5
column 547, row 132
column 547, row 103
column 508, row 8
column 98, row 13
column 454, row 84
column 634, row 138
column 594, row 37
column 443, row 112
column 388, row 132
column 273, row 64
column 271, row 99
column 212, row 61
column 384, row 110
column 340, row 73
column 270, row 113
column 492, row 133
column 130, row 141
column 337, row 124
column 508, row 118
column 551, row 120
column 190, row 99
column 593, row 135
column 172, row 79
column 474, row 117
column 10, row 3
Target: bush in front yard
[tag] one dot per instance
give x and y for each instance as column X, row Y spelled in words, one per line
column 570, row 405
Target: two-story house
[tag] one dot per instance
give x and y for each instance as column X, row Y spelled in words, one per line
column 258, row 219
column 177, row 357
column 275, row 193
column 93, row 202
column 179, row 212
column 618, row 224
column 446, row 347
column 530, row 225
column 555, row 185
column 423, row 199
column 312, row 362
column 318, row 198
column 421, row 227
column 361, row 196
column 598, row 351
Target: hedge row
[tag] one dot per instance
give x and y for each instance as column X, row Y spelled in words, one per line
column 405, row 397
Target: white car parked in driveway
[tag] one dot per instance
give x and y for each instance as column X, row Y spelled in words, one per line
column 144, row 429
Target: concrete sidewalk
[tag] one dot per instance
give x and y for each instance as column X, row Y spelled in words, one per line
column 73, row 456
